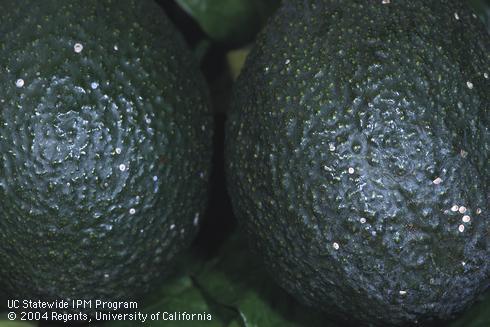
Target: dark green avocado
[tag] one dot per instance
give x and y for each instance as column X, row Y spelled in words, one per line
column 358, row 157
column 105, row 148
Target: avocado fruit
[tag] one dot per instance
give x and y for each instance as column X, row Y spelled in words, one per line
column 105, row 148
column 357, row 157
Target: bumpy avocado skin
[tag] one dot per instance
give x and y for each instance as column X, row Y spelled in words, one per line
column 358, row 141
column 105, row 148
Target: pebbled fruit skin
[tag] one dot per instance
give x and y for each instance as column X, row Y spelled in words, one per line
column 356, row 128
column 105, row 149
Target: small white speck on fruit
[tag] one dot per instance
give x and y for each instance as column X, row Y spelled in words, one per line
column 116, row 47
column 203, row 128
column 437, row 181
column 385, row 2
column 466, row 219
column 402, row 292
column 485, row 75
column 331, row 147
column 132, row 211
column 106, row 275
column 266, row 69
column 287, row 61
column 478, row 211
column 463, row 263
column 351, row 170
column 469, row 84
column 201, row 175
column 94, row 85
column 362, row 220
column 172, row 226
column 456, row 15
column 79, row 89
column 336, row 245
column 118, row 150
column 19, row 82
column 474, row 16
column 78, row 47
column 461, row 228
column 462, row 209
column 463, row 153
column 454, row 208
column 122, row 167
column 155, row 178
column 196, row 219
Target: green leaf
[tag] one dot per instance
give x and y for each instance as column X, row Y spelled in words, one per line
column 5, row 322
column 234, row 288
column 178, row 294
column 231, row 21
column 236, row 60
column 237, row 278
